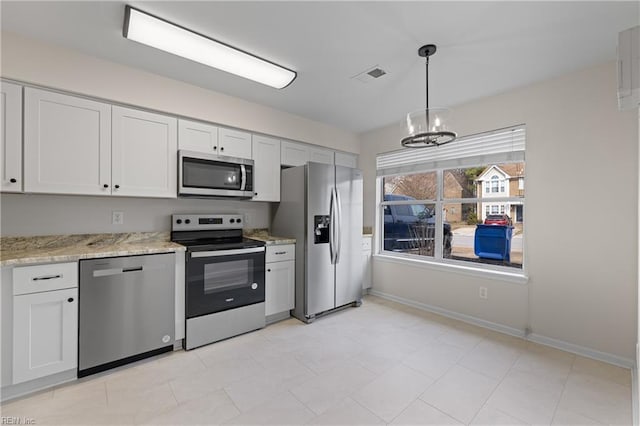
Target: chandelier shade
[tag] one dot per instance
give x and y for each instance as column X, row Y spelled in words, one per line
column 429, row 126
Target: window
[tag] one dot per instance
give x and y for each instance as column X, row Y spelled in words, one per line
column 433, row 207
column 494, row 183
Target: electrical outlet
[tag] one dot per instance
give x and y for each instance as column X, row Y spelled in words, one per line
column 248, row 220
column 483, row 293
column 117, row 218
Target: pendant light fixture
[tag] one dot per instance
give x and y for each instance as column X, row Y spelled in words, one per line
column 430, row 126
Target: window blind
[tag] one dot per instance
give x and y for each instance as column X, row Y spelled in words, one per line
column 498, row 146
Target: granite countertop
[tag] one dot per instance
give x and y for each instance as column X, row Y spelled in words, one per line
column 63, row 248
column 263, row 235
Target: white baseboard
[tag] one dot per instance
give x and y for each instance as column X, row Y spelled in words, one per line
column 582, row 351
column 547, row 341
column 634, row 390
column 451, row 314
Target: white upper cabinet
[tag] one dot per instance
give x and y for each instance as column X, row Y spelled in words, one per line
column 346, row 160
column 209, row 139
column 197, row 136
column 298, row 154
column 67, row 144
column 144, row 152
column 320, row 155
column 293, row 154
column 266, row 170
column 11, row 137
column 234, row 143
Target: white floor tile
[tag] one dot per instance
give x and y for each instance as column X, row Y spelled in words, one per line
column 380, row 363
column 282, row 409
column 347, row 412
column 491, row 358
column 212, row 409
column 460, row 393
column 435, row 360
column 421, row 413
column 603, row 371
column 322, row 392
column 490, row 416
column 392, row 392
column 603, row 401
column 527, row 396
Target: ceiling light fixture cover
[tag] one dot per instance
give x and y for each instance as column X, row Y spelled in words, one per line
column 430, row 126
column 155, row 32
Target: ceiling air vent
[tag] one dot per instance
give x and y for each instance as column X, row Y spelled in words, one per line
column 370, row 74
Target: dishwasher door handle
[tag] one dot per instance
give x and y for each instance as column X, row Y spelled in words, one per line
column 115, row 271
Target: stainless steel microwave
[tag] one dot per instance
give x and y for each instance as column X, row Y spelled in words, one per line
column 206, row 175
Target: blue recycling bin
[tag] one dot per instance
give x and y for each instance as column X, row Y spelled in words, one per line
column 493, row 242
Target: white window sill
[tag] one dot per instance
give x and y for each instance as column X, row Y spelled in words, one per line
column 518, row 278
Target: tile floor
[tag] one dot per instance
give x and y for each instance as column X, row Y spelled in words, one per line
column 383, row 363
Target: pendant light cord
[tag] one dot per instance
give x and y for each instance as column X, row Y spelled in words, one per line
column 427, row 90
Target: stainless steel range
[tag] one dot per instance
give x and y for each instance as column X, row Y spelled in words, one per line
column 224, row 277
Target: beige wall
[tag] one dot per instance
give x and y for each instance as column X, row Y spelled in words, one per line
column 580, row 246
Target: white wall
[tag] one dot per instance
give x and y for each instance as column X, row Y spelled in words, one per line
column 581, row 210
column 49, row 65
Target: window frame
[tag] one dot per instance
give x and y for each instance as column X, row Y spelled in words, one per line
column 515, row 274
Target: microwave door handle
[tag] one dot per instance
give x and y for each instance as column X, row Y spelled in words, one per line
column 243, row 178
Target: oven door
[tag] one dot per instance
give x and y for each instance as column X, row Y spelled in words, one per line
column 210, row 175
column 223, row 279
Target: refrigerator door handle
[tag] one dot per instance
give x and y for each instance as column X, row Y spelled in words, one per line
column 332, row 252
column 338, row 226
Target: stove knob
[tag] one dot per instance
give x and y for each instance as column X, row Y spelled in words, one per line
column 179, row 221
column 232, row 221
column 238, row 220
column 187, row 221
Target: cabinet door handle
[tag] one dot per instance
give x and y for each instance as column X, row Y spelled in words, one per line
column 281, row 252
column 268, row 270
column 222, row 148
column 105, row 185
column 134, row 269
column 70, row 299
column 12, row 180
column 117, row 186
column 215, row 148
column 48, row 277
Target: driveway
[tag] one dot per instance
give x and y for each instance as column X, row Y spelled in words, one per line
column 464, row 237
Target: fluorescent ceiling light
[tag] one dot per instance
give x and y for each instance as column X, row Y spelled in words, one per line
column 163, row 35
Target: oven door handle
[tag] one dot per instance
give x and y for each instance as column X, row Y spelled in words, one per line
column 217, row 253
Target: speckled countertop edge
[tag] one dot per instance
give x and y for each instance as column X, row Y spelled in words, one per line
column 68, row 248
column 264, row 236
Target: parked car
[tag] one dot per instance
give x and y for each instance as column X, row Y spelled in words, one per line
column 411, row 226
column 498, row 219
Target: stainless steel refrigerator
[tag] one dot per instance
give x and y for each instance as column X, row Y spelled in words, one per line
column 321, row 207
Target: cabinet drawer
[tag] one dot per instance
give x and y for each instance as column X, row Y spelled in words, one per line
column 34, row 279
column 280, row 253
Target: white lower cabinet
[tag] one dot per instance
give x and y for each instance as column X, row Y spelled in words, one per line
column 45, row 321
column 280, row 279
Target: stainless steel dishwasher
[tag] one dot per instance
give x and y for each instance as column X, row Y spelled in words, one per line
column 126, row 310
